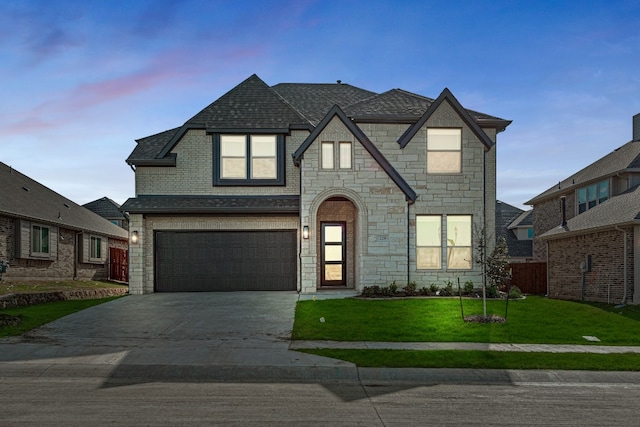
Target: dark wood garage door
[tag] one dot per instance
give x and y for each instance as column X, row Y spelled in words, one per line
column 225, row 261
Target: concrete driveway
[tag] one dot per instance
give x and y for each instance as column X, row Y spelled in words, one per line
column 198, row 336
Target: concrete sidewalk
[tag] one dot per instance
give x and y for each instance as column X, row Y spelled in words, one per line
column 543, row 348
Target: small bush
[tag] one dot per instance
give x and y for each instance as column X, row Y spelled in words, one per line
column 393, row 287
column 410, row 289
column 433, row 288
column 514, row 292
column 468, row 287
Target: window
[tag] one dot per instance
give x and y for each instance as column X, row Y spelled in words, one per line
column 428, row 241
column 459, row 241
column 39, row 240
column 345, row 155
column 95, row 248
column 529, row 233
column 327, row 155
column 444, row 150
column 592, row 195
column 248, row 159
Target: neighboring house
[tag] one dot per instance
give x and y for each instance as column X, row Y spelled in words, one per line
column 516, row 226
column 45, row 236
column 110, row 210
column 587, row 229
column 310, row 187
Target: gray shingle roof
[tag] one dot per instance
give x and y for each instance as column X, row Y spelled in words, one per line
column 507, row 215
column 106, row 208
column 212, row 204
column 22, row 197
column 254, row 105
column 623, row 158
column 622, row 209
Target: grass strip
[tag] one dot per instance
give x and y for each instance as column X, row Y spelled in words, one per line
column 474, row 359
column 33, row 316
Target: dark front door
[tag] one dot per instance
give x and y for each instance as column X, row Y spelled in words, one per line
column 333, row 253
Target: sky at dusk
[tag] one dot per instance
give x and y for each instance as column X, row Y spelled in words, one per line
column 81, row 81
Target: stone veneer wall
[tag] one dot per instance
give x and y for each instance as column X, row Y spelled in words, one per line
column 141, row 254
column 605, row 281
column 548, row 215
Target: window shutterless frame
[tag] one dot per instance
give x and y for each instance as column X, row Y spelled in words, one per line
column 334, row 254
column 250, row 162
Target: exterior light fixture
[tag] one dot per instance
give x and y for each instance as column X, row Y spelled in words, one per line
column 134, row 237
column 305, row 232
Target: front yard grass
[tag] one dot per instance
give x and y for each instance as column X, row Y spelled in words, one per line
column 534, row 320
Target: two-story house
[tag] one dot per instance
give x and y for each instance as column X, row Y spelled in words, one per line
column 587, row 229
column 313, row 186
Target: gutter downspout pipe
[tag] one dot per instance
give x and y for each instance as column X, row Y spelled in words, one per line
column 624, row 261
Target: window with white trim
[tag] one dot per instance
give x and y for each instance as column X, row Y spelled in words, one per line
column 429, row 242
column 430, row 245
column 95, row 248
column 444, row 150
column 328, row 155
column 459, row 254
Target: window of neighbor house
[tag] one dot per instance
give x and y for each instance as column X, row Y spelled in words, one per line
column 39, row 240
column 592, row 195
column 444, row 150
column 459, row 254
column 95, row 244
column 428, row 242
column 249, row 160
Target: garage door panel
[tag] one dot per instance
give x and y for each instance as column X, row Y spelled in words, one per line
column 225, row 260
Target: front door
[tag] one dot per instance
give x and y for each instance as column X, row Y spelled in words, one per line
column 333, row 253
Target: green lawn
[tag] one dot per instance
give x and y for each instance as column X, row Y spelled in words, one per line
column 533, row 320
column 33, row 316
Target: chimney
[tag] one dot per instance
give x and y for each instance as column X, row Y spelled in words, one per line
column 563, row 206
column 636, row 127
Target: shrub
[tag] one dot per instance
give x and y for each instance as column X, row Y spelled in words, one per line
column 433, row 288
column 514, row 292
column 393, row 287
column 410, row 289
column 468, row 287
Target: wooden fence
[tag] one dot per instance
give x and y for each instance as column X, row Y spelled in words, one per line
column 119, row 269
column 530, row 277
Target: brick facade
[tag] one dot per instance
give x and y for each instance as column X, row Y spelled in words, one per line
column 63, row 264
column 606, row 280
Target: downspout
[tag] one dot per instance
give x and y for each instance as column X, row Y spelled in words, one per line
column 408, row 244
column 624, row 260
column 484, row 233
column 300, row 228
column 76, row 254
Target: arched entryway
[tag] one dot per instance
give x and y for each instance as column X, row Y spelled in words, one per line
column 336, row 243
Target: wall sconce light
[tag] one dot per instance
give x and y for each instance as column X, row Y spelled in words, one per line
column 305, row 232
column 134, row 237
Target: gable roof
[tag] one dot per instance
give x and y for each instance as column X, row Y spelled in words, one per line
column 506, row 216
column 24, row 198
column 336, row 111
column 622, row 159
column 446, row 95
column 253, row 105
column 623, row 209
column 105, row 207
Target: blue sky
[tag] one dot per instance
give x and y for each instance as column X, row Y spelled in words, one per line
column 81, row 81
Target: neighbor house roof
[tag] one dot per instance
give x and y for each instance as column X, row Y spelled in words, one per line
column 253, row 105
column 624, row 209
column 24, row 198
column 106, row 208
column 213, row 204
column 507, row 218
column 622, row 159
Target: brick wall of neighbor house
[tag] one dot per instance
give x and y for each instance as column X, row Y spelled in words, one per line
column 141, row 268
column 6, row 238
column 193, row 173
column 548, row 215
column 605, row 281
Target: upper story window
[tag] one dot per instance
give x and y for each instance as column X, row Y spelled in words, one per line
column 444, row 150
column 592, row 195
column 328, row 155
column 248, row 159
column 40, row 240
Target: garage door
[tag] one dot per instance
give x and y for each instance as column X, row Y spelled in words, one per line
column 225, row 261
